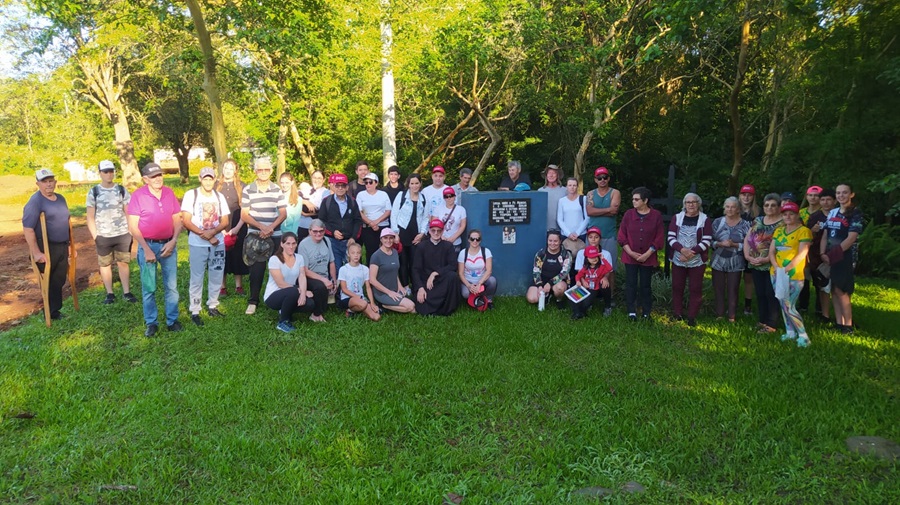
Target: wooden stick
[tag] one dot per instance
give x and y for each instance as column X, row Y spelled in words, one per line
column 72, row 263
column 44, row 278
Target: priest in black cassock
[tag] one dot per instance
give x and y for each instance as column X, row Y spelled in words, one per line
column 434, row 274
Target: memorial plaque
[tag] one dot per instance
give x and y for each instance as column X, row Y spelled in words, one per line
column 510, row 211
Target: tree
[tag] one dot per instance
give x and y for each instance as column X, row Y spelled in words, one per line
column 210, row 82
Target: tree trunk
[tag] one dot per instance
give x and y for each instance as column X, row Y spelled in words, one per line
column 495, row 141
column 434, row 152
column 131, row 175
column 210, row 83
column 305, row 153
column 181, row 154
column 734, row 112
column 281, row 162
column 388, row 119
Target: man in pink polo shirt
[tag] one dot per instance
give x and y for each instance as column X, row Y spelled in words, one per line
column 154, row 220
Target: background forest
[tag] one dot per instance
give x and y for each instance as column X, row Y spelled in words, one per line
column 779, row 94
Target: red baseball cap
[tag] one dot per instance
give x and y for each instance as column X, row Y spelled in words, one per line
column 790, row 206
column 338, row 179
column 601, row 171
column 438, row 169
column 748, row 188
column 591, row 251
column 436, row 223
column 594, row 229
column 449, row 191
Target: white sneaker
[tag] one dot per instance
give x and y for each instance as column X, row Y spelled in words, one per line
column 251, row 309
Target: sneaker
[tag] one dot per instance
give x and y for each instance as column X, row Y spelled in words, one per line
column 56, row 316
column 239, row 290
column 691, row 322
column 788, row 336
column 214, row 312
column 223, row 291
column 491, row 305
column 679, row 317
column 176, row 326
column 151, row 330
column 632, row 317
column 645, row 318
column 349, row 313
column 607, row 312
column 765, row 329
column 285, row 326
column 803, row 342
column 847, row 330
column 195, row 318
column 130, row 298
column 251, row 309
column 748, row 312
column 110, row 298
column 561, row 303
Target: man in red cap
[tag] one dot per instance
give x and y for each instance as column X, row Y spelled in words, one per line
column 434, row 194
column 341, row 216
column 602, row 208
column 434, row 274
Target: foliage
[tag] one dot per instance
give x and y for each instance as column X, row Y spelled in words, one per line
column 879, row 251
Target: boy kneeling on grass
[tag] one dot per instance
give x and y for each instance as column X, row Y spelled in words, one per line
column 594, row 276
column 355, row 289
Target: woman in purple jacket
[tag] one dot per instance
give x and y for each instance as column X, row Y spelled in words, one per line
column 690, row 236
column 640, row 235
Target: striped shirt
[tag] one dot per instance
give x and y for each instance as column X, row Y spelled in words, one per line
column 264, row 205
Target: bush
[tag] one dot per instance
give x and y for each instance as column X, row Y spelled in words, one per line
column 879, row 251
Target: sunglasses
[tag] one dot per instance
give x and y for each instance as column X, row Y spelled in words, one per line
column 602, row 178
column 317, row 231
column 474, row 239
column 447, row 197
column 370, row 182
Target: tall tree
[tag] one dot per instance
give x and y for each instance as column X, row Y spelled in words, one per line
column 210, row 81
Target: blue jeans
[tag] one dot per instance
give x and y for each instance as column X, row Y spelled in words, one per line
column 339, row 249
column 169, row 267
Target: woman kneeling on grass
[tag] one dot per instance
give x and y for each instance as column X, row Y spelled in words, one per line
column 355, row 289
column 384, row 276
column 594, row 276
column 790, row 245
column 286, row 289
column 551, row 271
column 475, row 266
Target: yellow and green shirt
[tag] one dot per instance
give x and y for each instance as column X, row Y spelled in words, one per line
column 787, row 245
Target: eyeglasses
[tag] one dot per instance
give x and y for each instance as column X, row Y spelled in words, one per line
column 770, row 205
column 317, row 231
column 602, row 177
column 474, row 239
column 691, row 202
column 636, row 199
column 340, row 185
column 447, row 197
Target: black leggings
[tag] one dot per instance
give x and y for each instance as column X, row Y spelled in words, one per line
column 766, row 303
column 285, row 302
column 637, row 279
column 258, row 274
column 320, row 295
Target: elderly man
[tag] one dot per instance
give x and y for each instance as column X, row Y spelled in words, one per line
column 319, row 267
column 154, row 219
column 513, row 177
column 263, row 208
column 341, row 216
column 56, row 213
column 108, row 223
column 464, row 185
column 205, row 213
column 435, row 281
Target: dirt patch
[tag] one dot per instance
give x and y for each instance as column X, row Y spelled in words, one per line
column 21, row 295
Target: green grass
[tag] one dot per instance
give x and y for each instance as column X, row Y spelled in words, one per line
column 511, row 406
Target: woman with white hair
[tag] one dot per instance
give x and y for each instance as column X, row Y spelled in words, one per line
column 728, row 261
column 690, row 235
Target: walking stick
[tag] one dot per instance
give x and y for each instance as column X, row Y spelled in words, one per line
column 72, row 266
column 44, row 277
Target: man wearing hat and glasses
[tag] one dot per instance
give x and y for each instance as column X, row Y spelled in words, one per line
column 154, row 219
column 56, row 212
column 602, row 207
column 107, row 221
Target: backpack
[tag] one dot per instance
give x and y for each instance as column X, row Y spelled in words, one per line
column 95, row 191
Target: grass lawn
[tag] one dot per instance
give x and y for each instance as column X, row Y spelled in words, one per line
column 510, row 406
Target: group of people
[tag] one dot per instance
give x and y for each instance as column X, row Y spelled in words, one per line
column 311, row 239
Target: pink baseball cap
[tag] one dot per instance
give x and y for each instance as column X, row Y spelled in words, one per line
column 601, row 171
column 748, row 188
column 814, row 190
column 338, row 179
column 388, row 232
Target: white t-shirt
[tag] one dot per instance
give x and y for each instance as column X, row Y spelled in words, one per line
column 579, row 259
column 289, row 274
column 205, row 213
column 571, row 217
column 434, row 199
column 355, row 277
column 451, row 223
column 474, row 265
column 374, row 205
